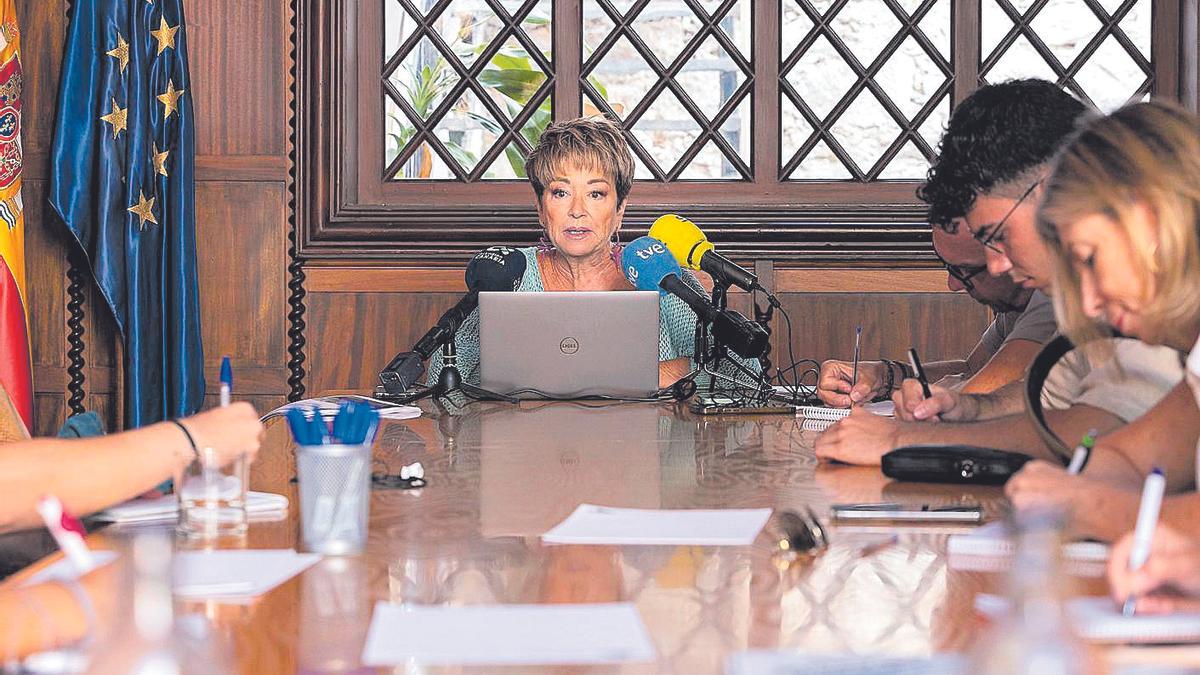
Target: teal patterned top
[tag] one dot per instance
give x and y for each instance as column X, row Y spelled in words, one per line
column 676, row 326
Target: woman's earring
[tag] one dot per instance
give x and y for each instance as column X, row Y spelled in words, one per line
column 615, row 249
column 544, row 243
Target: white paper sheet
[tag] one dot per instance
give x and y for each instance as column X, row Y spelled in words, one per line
column 167, row 507
column 591, row 524
column 506, row 635
column 236, row 573
column 990, row 549
column 1099, row 619
column 232, row 574
column 792, row 663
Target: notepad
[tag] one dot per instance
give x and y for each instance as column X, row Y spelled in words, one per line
column 819, row 418
column 329, row 406
column 591, row 524
column 506, row 635
column 989, row 549
column 793, row 663
column 1099, row 619
column 167, row 507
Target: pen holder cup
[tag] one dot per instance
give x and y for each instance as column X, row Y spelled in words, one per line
column 335, row 497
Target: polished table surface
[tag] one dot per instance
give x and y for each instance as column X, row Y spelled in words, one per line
column 500, row 475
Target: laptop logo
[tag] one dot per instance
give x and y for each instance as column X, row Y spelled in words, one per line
column 568, row 346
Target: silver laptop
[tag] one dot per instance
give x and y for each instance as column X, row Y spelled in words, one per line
column 569, row 344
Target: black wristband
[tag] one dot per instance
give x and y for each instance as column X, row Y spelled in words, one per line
column 889, row 384
column 191, row 441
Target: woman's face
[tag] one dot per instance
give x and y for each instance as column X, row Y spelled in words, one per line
column 580, row 212
column 1113, row 285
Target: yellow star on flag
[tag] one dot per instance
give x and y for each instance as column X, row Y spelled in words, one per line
column 120, row 52
column 117, row 118
column 160, row 159
column 165, row 35
column 170, row 99
column 144, row 209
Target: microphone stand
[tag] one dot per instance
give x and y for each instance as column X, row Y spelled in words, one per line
column 450, row 380
column 708, row 360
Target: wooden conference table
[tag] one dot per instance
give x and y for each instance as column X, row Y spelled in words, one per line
column 500, row 475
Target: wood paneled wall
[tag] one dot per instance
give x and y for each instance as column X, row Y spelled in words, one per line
column 357, row 318
column 239, row 61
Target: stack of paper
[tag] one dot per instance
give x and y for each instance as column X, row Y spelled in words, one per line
column 591, row 524
column 228, row 575
column 506, row 635
column 167, row 508
column 820, row 418
column 990, row 549
column 1099, row 619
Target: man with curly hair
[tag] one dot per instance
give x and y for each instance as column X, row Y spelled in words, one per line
column 996, row 139
column 986, row 185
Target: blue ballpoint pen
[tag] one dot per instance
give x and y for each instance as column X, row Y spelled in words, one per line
column 226, row 382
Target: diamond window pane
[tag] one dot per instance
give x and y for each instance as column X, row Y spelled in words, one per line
column 666, row 130
column 537, row 26
column 397, row 130
column 710, row 71
column 468, row 28
column 1110, row 77
column 908, row 164
column 821, row 77
column 910, row 78
column 865, row 130
column 506, row 164
column 936, row 26
column 794, row 129
column 597, row 25
column 1066, row 26
column 710, row 164
column 468, row 131
column 794, row 25
column 820, row 164
column 995, row 25
column 424, row 78
column 1136, row 26
column 1020, row 60
column 935, row 125
column 865, row 27
column 666, row 27
column 398, row 26
column 736, row 131
column 737, row 25
column 512, row 78
column 622, row 77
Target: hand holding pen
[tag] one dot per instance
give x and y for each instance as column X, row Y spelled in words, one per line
column 1168, row 581
column 1143, row 533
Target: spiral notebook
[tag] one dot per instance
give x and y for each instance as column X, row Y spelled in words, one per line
column 990, row 549
column 819, row 417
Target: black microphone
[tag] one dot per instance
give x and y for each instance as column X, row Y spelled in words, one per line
column 650, row 267
column 692, row 249
column 498, row 268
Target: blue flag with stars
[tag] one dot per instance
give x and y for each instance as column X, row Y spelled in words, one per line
column 122, row 179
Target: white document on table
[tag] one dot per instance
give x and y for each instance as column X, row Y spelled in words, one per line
column 990, row 548
column 792, row 663
column 236, row 573
column 506, row 635
column 1099, row 619
column 167, row 508
column 591, row 524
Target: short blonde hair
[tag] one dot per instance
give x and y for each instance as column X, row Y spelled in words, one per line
column 588, row 142
column 1143, row 153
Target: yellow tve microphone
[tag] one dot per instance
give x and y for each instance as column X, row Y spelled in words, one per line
column 692, row 249
column 684, row 240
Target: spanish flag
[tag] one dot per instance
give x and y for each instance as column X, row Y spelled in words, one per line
column 15, row 366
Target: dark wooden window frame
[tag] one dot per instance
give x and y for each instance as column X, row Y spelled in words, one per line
column 346, row 210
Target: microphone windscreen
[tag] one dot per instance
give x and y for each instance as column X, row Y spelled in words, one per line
column 647, row 262
column 498, row 268
column 683, row 239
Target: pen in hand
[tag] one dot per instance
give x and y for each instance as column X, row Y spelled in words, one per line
column 857, row 354
column 226, row 382
column 1143, row 532
column 67, row 531
column 919, row 372
column 1083, row 452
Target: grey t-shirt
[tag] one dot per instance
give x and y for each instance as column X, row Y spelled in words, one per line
column 1122, row 376
column 1035, row 323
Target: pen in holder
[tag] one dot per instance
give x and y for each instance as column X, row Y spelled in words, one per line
column 335, row 494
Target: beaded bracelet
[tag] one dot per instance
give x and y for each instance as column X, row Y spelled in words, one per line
column 889, row 385
column 191, row 441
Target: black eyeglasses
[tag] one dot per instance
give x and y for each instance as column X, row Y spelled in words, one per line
column 989, row 239
column 963, row 273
